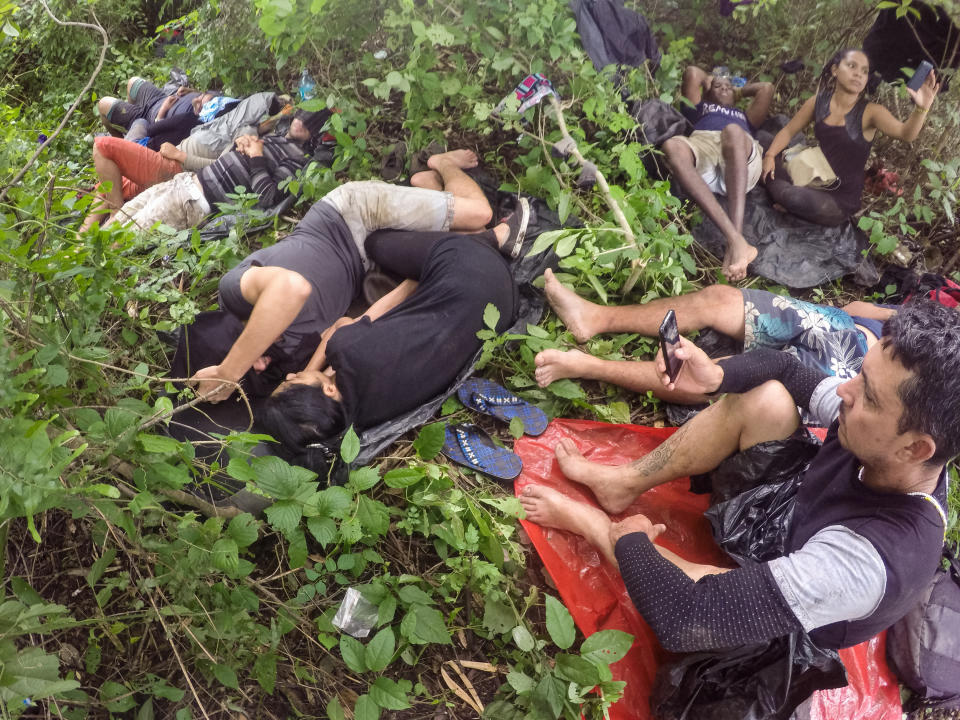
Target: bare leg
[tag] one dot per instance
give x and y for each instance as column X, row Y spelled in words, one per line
column 717, row 306
column 636, row 375
column 429, row 179
column 549, row 508
column 736, row 146
column 733, row 423
column 471, row 210
column 682, row 164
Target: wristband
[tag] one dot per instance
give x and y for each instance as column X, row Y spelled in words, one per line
column 921, row 110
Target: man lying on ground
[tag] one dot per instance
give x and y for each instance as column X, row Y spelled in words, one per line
column 257, row 165
column 721, row 155
column 290, row 293
column 825, row 338
column 145, row 101
column 173, row 129
column 868, row 523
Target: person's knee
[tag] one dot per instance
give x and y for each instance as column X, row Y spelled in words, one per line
column 721, row 297
column 104, row 105
column 472, row 214
column 676, row 150
column 767, row 412
column 734, row 139
column 131, row 83
column 691, row 72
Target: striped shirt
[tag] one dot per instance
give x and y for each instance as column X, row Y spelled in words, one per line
column 281, row 160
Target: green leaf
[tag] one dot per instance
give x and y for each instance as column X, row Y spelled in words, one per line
column 379, row 651
column 363, row 479
column 335, row 710
column 115, row 697
column 265, row 671
column 366, row 709
column 422, row 625
column 158, row 444
column 323, row 529
column 226, row 675
column 491, row 316
column 353, row 653
column 411, row 594
column 390, row 694
column 516, row 428
column 284, row 515
column 430, row 439
column 523, row 638
column 243, row 529
column 404, row 477
column 566, row 244
column 350, row 446
column 373, row 515
column 559, row 623
column 546, row 239
column 296, row 548
column 566, row 388
column 563, row 206
column 521, row 682
column 606, row 646
column 225, row 556
column 498, row 617
column 575, row 669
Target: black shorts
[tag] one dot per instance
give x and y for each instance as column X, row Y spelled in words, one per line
column 147, row 99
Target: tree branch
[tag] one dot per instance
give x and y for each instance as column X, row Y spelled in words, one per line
column 103, row 53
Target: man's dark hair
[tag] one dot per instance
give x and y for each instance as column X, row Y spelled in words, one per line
column 305, row 421
column 925, row 337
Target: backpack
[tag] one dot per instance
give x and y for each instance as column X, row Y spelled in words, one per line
column 937, row 287
column 923, row 647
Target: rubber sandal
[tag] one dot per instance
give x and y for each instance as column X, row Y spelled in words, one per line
column 468, row 445
column 487, row 397
column 391, row 167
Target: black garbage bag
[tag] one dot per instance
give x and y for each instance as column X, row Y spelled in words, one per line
column 754, row 524
column 755, row 682
column 793, row 252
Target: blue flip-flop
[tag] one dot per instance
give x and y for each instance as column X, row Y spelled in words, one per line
column 467, row 444
column 487, row 397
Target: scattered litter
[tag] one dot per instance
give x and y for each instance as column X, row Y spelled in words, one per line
column 356, row 615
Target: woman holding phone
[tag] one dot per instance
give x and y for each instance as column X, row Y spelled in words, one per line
column 845, row 125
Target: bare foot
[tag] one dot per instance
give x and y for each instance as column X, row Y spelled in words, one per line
column 557, row 364
column 463, row 159
column 738, row 256
column 576, row 313
column 608, row 482
column 550, row 508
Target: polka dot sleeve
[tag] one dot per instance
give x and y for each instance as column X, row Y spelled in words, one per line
column 735, row 608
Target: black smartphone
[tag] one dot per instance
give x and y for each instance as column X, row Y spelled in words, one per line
column 919, row 75
column 669, row 342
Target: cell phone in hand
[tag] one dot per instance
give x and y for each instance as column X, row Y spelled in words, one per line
column 919, row 75
column 669, row 342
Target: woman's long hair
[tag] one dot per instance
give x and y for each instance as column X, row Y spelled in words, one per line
column 828, row 83
column 306, row 422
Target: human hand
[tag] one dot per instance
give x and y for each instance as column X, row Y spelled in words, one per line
column 769, row 168
column 253, row 147
column 214, row 381
column 633, row 524
column 182, row 90
column 699, row 375
column 172, row 152
column 924, row 97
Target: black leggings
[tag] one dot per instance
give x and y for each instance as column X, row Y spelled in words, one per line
column 811, row 204
column 405, row 252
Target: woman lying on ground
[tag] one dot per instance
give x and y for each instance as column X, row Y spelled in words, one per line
column 845, row 125
column 409, row 346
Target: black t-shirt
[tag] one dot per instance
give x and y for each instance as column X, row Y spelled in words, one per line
column 182, row 106
column 415, row 351
column 322, row 250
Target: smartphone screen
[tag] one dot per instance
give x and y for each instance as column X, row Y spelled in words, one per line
column 669, row 342
column 919, row 75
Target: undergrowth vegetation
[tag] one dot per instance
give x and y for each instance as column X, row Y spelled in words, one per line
column 125, row 596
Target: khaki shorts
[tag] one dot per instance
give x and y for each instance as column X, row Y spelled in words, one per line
column 709, row 160
column 178, row 202
column 371, row 205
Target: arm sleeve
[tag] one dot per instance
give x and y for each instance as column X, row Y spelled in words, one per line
column 837, row 575
column 182, row 122
column 748, row 370
column 719, row 611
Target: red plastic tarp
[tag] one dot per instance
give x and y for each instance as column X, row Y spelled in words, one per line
column 594, row 593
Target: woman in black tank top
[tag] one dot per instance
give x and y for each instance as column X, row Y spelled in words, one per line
column 845, row 124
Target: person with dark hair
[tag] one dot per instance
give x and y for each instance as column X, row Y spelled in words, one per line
column 256, row 164
column 145, row 101
column 290, row 294
column 721, row 155
column 868, row 521
column 845, row 125
column 409, row 346
column 828, row 339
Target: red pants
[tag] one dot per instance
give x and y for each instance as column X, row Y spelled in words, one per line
column 141, row 167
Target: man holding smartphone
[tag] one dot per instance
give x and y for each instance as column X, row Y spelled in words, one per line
column 868, row 522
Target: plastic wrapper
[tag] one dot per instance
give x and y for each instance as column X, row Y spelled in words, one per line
column 594, row 593
column 356, row 615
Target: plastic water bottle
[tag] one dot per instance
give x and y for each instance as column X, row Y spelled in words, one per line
column 307, row 85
